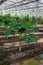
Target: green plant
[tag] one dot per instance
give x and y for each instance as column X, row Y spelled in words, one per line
column 23, row 27
column 1, row 20
column 22, row 24
column 39, row 20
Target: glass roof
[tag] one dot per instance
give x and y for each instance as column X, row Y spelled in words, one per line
column 21, row 5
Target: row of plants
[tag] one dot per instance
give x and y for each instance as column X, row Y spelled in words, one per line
column 21, row 24
column 12, row 23
column 21, row 18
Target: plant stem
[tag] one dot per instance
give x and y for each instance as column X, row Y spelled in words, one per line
column 20, row 46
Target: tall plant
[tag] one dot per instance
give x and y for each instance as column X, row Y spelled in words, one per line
column 25, row 25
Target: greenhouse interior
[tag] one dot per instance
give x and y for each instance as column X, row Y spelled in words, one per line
column 21, row 32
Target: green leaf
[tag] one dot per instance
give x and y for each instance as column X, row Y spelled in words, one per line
column 6, row 33
column 30, row 38
column 22, row 30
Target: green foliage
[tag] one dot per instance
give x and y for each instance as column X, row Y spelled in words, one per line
column 21, row 30
column 30, row 38
column 22, row 24
column 39, row 20
column 1, row 20
column 6, row 19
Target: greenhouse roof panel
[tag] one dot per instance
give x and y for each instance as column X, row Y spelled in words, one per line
column 21, row 5
column 9, row 3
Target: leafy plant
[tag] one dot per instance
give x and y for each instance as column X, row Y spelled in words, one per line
column 1, row 20
column 30, row 38
column 22, row 24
